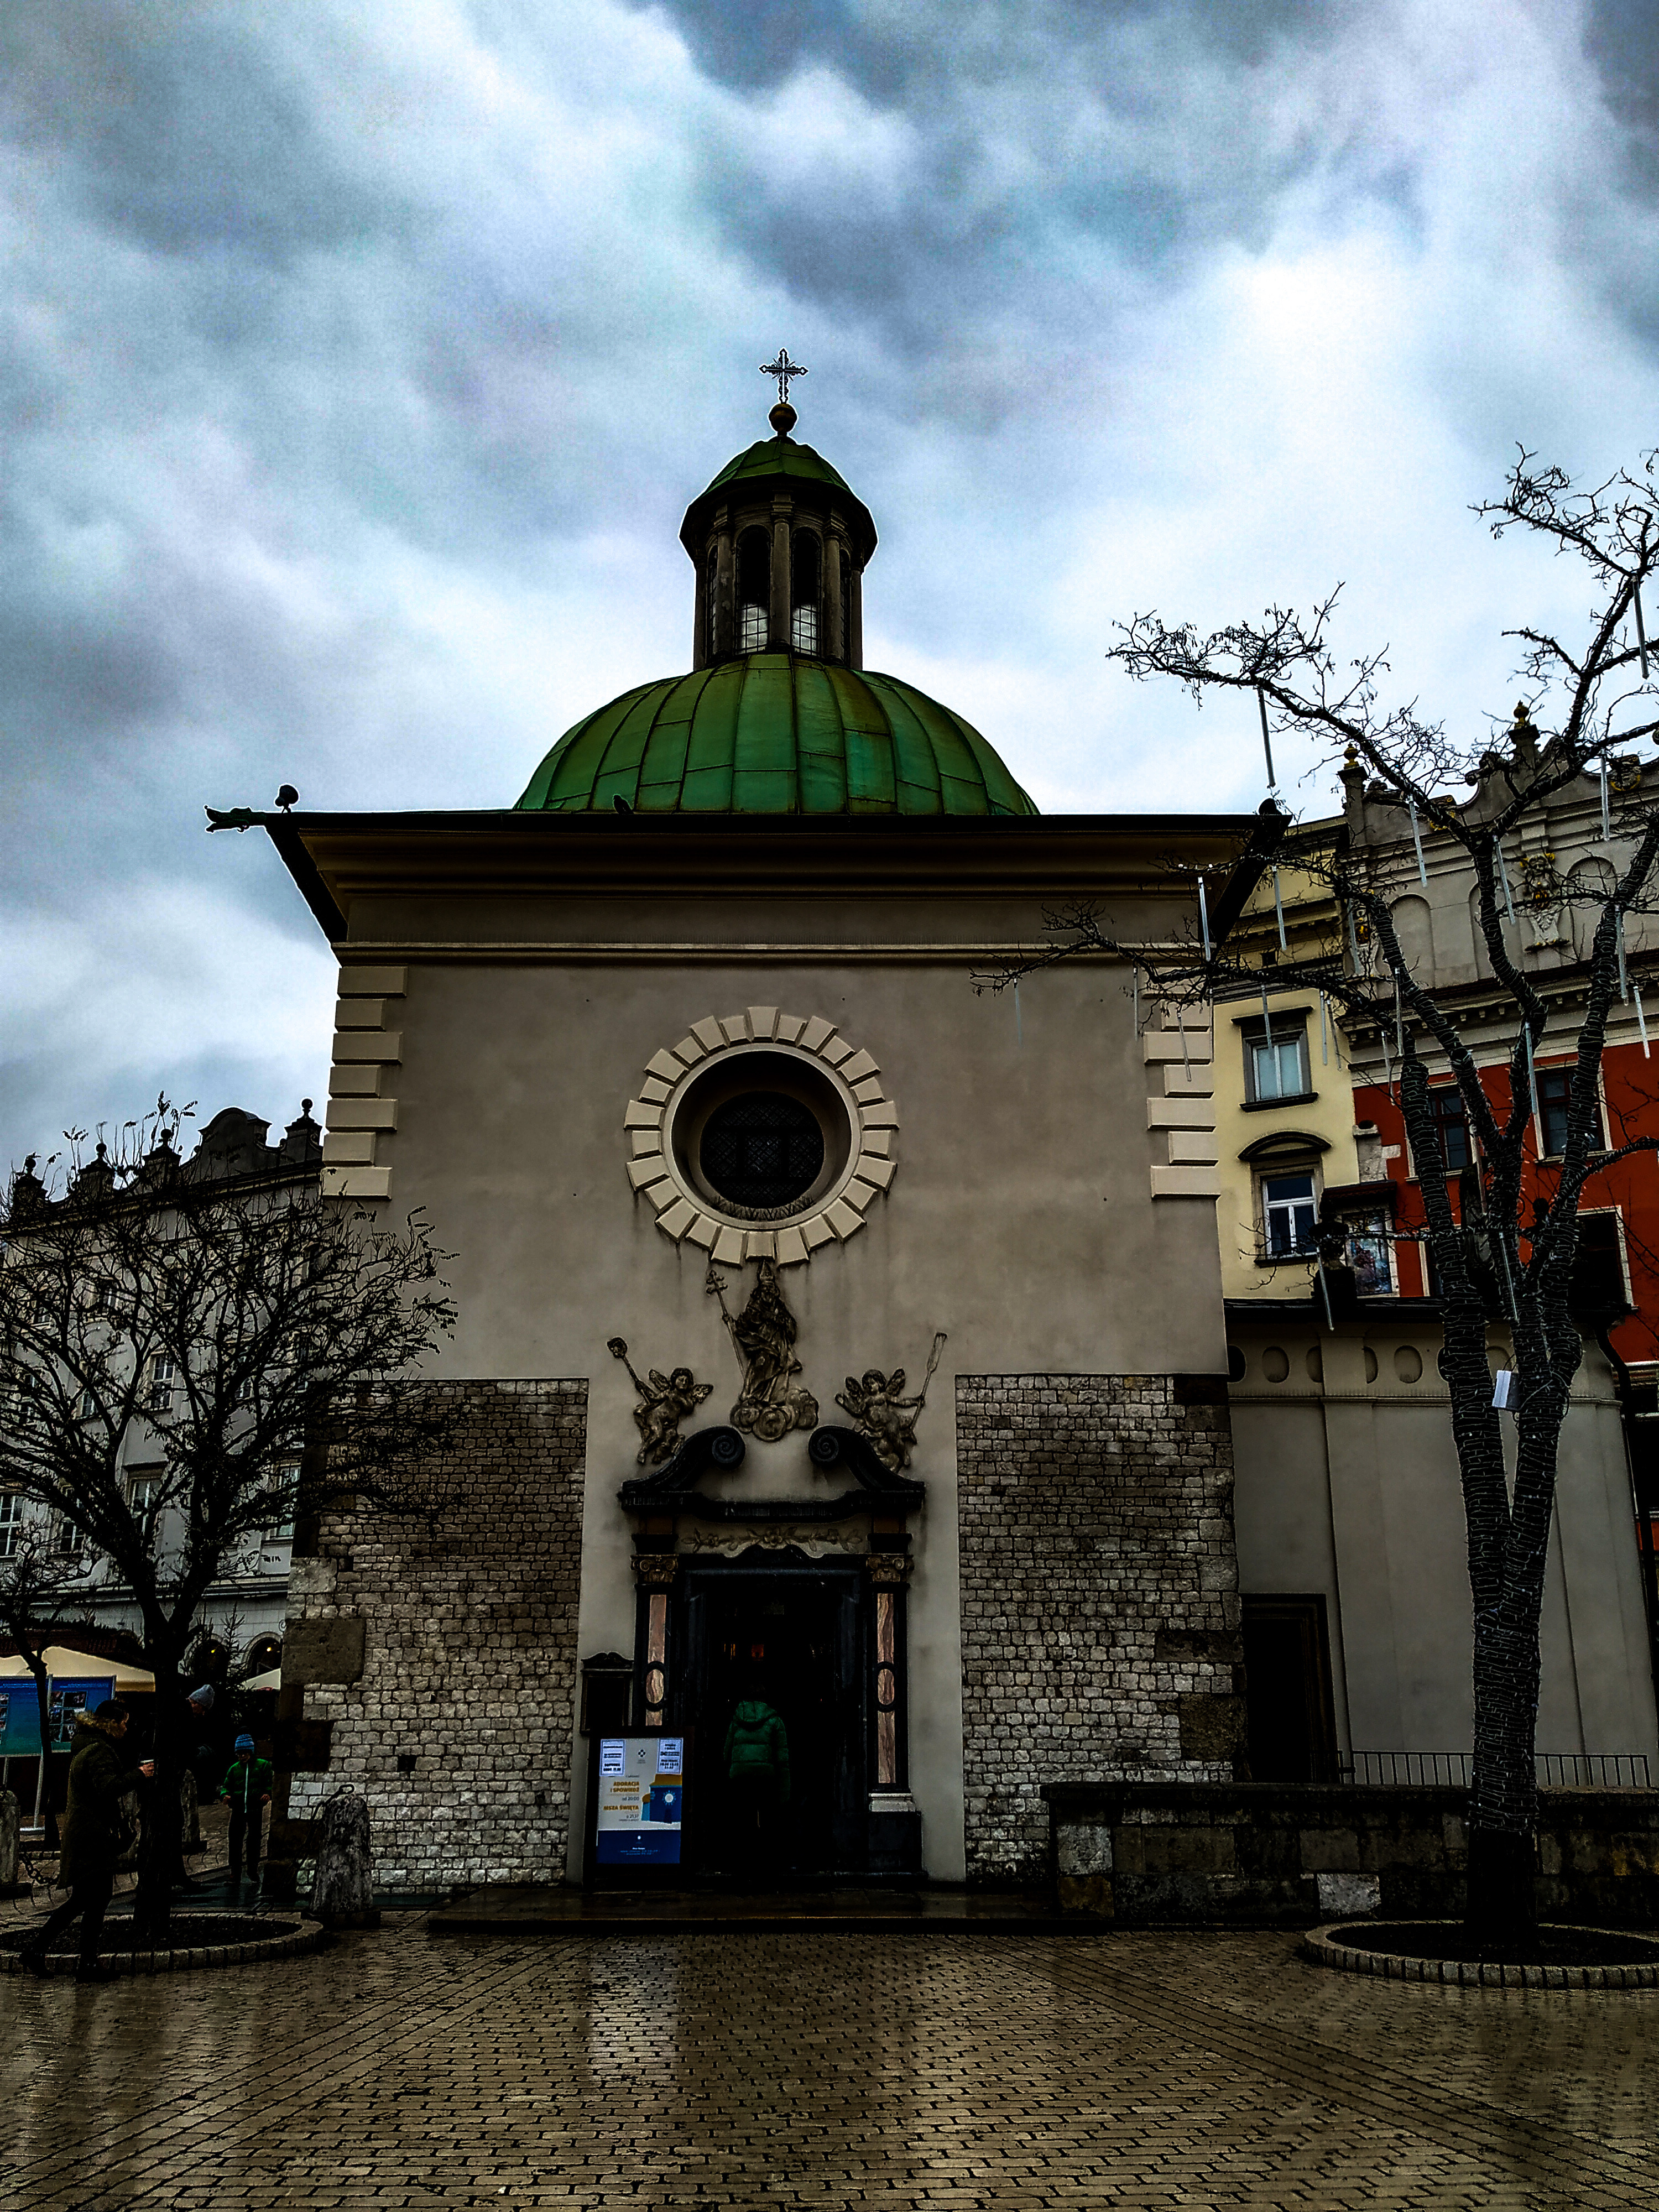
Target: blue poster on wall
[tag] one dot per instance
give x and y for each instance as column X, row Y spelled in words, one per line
column 70, row 1701
column 641, row 1785
column 21, row 1738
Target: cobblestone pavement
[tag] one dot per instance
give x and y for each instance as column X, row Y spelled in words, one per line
column 1132, row 2071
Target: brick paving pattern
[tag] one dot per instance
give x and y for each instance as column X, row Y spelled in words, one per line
column 1100, row 1605
column 1143, row 2070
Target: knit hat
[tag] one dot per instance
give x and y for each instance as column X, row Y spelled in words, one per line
column 245, row 1743
column 204, row 1698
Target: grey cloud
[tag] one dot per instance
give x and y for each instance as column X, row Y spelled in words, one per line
column 898, row 48
column 1621, row 38
column 358, row 364
column 184, row 127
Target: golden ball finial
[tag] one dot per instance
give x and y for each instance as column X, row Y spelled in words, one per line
column 782, row 418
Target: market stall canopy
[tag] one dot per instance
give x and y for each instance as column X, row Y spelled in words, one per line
column 66, row 1665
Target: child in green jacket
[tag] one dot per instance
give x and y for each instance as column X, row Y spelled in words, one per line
column 246, row 1789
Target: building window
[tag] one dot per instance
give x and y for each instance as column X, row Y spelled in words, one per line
column 161, row 1375
column 763, row 1150
column 1287, row 1214
column 1451, row 1126
column 1601, row 1288
column 754, row 591
column 806, row 568
column 284, row 1494
column 1276, row 1061
column 85, row 1406
column 11, row 1523
column 1367, row 1254
column 143, row 1494
column 845, row 642
column 1554, row 1105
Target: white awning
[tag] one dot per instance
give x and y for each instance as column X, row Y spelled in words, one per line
column 64, row 1664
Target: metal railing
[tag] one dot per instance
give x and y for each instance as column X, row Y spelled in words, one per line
column 1560, row 1770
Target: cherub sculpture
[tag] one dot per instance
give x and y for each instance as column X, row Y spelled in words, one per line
column 665, row 1401
column 877, row 1408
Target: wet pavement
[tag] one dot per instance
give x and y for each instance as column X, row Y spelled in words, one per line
column 509, row 1910
column 410, row 2069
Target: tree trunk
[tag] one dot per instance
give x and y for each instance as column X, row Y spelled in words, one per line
column 1500, row 1913
column 163, row 1870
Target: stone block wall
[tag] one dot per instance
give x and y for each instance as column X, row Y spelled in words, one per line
column 1100, row 1611
column 1278, row 1855
column 436, row 1671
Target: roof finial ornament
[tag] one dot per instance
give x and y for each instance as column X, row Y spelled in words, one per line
column 782, row 416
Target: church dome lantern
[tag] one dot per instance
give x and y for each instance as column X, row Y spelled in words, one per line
column 778, row 715
column 780, row 543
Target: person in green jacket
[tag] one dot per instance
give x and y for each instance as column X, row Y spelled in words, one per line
column 757, row 1770
column 246, row 1789
column 100, row 1775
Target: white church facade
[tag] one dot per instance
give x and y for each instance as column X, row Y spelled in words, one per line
column 832, row 1336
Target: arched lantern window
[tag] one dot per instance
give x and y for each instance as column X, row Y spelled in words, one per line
column 754, row 590
column 711, row 604
column 845, row 642
column 806, row 578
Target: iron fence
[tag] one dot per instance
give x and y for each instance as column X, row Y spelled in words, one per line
column 1560, row 1770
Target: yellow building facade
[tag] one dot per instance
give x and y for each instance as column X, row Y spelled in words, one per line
column 1284, row 1100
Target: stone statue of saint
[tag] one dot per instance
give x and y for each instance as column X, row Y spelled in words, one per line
column 763, row 1338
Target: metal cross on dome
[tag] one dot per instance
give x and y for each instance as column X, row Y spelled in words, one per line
column 783, row 369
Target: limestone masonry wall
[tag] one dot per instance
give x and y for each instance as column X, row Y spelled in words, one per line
column 1100, row 1611
column 463, row 1643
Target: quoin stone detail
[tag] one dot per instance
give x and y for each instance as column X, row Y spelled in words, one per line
column 1100, row 1609
column 690, row 1215
column 363, row 1083
column 1179, row 1049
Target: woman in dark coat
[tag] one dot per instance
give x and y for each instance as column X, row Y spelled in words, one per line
column 98, row 1778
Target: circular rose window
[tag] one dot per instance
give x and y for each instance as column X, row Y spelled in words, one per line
column 761, row 1136
column 762, row 1152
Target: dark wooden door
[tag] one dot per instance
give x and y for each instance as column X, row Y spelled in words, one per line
column 1287, row 1689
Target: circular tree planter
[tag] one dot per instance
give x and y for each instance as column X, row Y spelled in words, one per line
column 199, row 1939
column 1435, row 1951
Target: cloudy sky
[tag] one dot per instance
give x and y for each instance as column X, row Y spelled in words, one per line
column 357, row 363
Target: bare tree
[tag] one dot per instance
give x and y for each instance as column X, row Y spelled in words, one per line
column 1495, row 1257
column 43, row 1601
column 266, row 1336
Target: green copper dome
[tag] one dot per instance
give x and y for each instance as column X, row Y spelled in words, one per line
column 775, row 733
column 778, row 464
column 779, row 457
